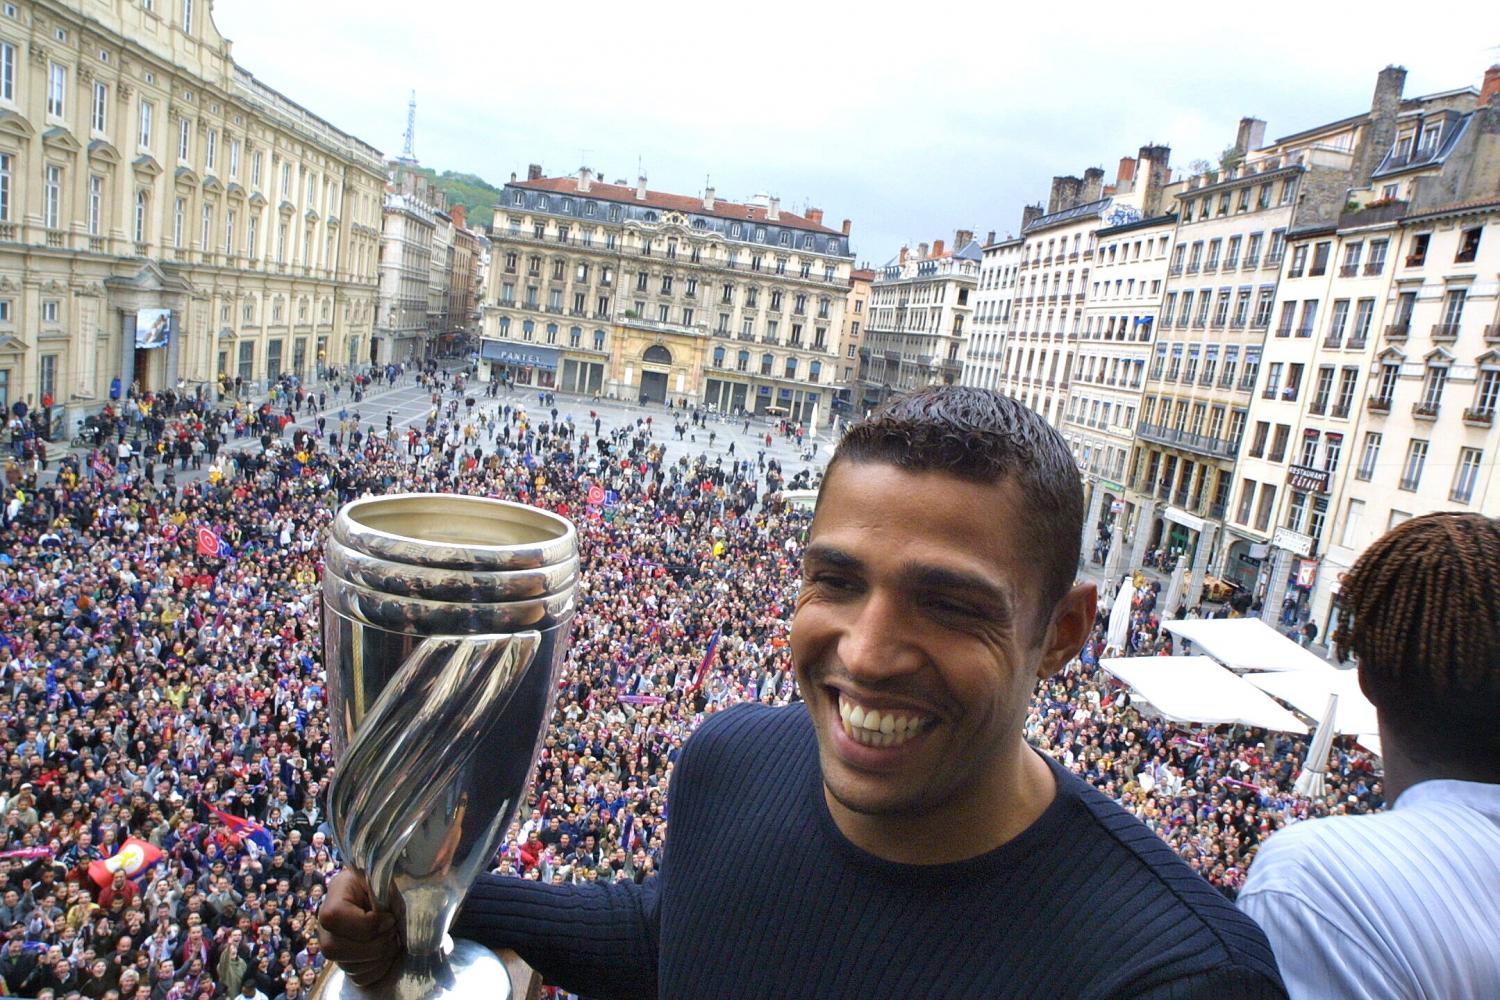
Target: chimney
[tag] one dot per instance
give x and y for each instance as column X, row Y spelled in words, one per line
column 1491, row 85
column 1251, row 135
column 903, row 253
column 1158, row 176
column 1030, row 214
column 937, row 248
column 921, row 251
column 962, row 238
column 534, row 172
column 846, row 227
column 708, row 199
column 1380, row 134
column 1064, row 194
column 512, row 176
column 815, row 216
column 773, row 212
column 1125, row 176
column 1093, row 185
column 585, row 178
column 640, row 188
column 990, row 239
column 457, row 214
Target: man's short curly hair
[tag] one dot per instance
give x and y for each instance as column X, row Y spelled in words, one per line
column 983, row 436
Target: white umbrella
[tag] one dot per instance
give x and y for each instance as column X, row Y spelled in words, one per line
column 1119, row 617
column 1310, row 781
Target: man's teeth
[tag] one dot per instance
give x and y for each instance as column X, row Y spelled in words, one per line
column 875, row 728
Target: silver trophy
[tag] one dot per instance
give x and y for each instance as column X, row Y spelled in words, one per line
column 445, row 619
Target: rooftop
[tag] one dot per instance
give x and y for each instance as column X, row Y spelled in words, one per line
column 689, row 204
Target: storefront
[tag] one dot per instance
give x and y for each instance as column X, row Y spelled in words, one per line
column 527, row 364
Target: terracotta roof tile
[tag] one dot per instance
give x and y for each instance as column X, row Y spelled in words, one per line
column 674, row 202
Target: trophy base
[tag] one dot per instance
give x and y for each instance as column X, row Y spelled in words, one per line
column 468, row 971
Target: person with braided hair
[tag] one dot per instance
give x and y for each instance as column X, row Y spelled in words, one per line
column 1406, row 903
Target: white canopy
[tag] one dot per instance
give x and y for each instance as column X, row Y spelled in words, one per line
column 1196, row 689
column 1308, row 691
column 1249, row 644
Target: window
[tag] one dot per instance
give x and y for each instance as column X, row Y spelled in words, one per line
column 1333, row 448
column 187, row 26
column 1309, row 317
column 229, row 233
column 1258, row 442
column 1416, row 458
column 1323, row 390
column 1299, row 261
column 52, row 198
column 1468, row 474
column 96, row 203
column 256, row 159
column 211, row 151
column 1247, row 500
column 1432, row 389
column 1273, row 380
column 1363, row 316
column 7, row 71
column 205, row 233
column 179, row 210
column 1390, row 371
column 1263, row 306
column 1468, row 246
column 49, row 311
column 1418, row 254
column 252, row 233
column 1453, row 312
column 1320, row 259
column 1376, row 262
column 1488, row 392
column 100, row 117
column 1337, row 322
column 1279, row 443
column 1355, row 513
column 1267, row 502
column 140, row 216
column 57, row 82
column 47, row 375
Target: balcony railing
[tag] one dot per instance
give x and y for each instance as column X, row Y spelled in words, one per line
column 1356, row 343
column 1341, row 411
column 1492, row 334
column 1348, row 270
column 1198, row 443
column 1333, row 342
column 1424, row 411
column 1444, row 332
column 1374, row 267
column 1378, row 404
column 1397, row 331
column 1479, row 417
column 1274, row 259
column 1410, row 483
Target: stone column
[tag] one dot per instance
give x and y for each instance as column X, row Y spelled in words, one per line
column 1091, row 520
column 1116, row 549
column 1145, row 513
column 1206, row 539
column 1281, row 567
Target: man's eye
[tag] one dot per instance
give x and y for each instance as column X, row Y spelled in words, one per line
column 833, row 582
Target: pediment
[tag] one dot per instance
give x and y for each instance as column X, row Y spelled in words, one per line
column 146, row 164
column 151, row 278
column 212, row 183
column 16, row 125
column 11, row 344
column 234, row 190
column 286, row 208
column 58, row 137
column 185, row 175
column 103, row 151
column 257, row 199
column 1441, row 355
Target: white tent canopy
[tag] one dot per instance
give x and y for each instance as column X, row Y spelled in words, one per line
column 1308, row 692
column 1196, row 689
column 1249, row 644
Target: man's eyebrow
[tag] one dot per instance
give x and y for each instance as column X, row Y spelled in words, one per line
column 943, row 578
column 827, row 555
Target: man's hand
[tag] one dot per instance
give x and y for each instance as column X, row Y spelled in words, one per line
column 361, row 940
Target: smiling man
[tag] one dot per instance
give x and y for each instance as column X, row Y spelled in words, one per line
column 895, row 836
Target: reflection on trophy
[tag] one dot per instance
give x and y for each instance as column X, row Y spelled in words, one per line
column 445, row 619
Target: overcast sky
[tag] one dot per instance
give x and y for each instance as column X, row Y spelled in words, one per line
column 913, row 120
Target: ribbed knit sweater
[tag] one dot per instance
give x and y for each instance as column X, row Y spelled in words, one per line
column 761, row 896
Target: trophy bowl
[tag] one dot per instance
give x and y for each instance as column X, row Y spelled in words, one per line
column 445, row 621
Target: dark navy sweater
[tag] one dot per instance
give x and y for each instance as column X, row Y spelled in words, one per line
column 761, row 896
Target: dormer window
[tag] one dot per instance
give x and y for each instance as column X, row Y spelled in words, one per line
column 1430, row 136
column 1403, row 146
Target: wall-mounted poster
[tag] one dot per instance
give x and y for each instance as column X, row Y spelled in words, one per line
column 153, row 328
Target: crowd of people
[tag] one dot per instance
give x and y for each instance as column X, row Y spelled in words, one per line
column 160, row 674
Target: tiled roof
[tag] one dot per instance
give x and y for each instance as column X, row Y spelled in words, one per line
column 673, row 202
column 1457, row 207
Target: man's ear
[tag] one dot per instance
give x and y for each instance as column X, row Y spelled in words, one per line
column 1072, row 621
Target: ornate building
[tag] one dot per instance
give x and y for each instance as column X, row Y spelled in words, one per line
column 920, row 304
column 636, row 294
column 166, row 218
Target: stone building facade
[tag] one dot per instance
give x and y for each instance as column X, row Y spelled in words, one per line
column 992, row 312
column 147, row 179
column 920, row 304
column 626, row 292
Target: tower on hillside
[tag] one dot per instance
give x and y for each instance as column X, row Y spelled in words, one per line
column 409, row 140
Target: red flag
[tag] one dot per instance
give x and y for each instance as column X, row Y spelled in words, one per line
column 596, row 494
column 208, row 541
column 708, row 659
column 134, row 857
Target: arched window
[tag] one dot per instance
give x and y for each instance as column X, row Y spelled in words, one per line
column 505, row 326
column 650, row 216
column 718, row 357
column 551, row 333
column 575, row 336
column 657, row 354
column 598, row 340
column 742, row 363
column 814, row 369
column 140, row 216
